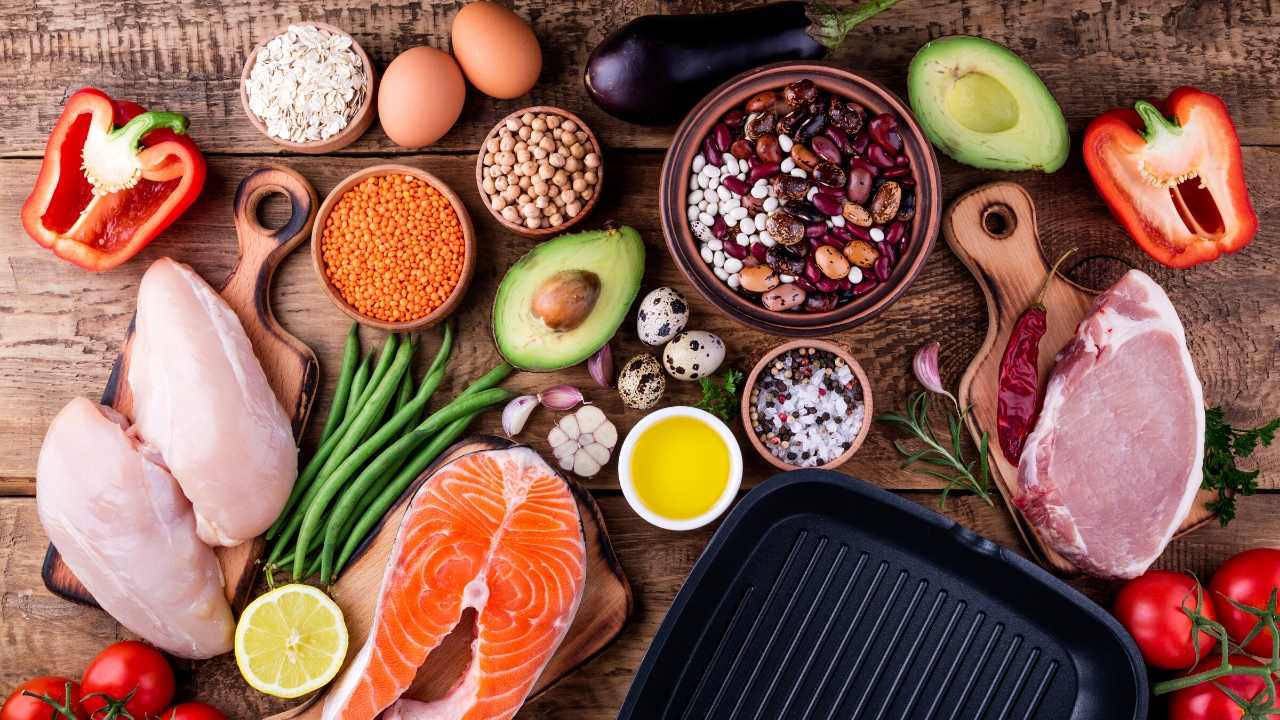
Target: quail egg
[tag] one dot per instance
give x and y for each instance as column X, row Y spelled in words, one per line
column 693, row 354
column 663, row 313
column 641, row 382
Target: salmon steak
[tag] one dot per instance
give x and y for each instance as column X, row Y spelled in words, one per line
column 497, row 531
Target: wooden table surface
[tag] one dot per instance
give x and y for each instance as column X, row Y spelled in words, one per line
column 60, row 326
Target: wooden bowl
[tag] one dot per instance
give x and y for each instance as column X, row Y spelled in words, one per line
column 868, row 407
column 687, row 143
column 354, row 129
column 468, row 240
column 519, row 228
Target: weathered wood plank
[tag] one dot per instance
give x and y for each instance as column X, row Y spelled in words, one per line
column 1093, row 55
column 60, row 326
column 42, row 634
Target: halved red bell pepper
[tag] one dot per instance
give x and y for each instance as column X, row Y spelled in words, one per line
column 1173, row 176
column 114, row 176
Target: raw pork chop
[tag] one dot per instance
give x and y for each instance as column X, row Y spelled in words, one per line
column 497, row 531
column 121, row 524
column 1113, row 464
column 201, row 399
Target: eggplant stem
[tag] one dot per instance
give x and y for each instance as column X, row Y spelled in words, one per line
column 829, row 26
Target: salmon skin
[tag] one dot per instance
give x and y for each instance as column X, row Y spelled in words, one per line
column 497, row 531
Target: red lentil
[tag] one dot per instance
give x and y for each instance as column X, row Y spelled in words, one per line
column 393, row 247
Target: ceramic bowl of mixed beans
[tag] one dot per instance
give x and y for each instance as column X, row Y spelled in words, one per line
column 800, row 198
column 807, row 404
column 394, row 248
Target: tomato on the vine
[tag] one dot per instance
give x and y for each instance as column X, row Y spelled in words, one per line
column 1248, row 578
column 1151, row 608
column 192, row 711
column 1206, row 702
column 63, row 692
column 130, row 672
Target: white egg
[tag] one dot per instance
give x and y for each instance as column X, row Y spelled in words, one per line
column 662, row 313
column 693, row 354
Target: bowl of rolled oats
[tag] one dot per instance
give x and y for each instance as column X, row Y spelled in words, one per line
column 309, row 88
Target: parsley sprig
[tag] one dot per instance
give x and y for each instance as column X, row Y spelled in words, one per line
column 721, row 399
column 1224, row 445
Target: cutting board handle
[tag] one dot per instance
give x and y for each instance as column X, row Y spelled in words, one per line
column 248, row 288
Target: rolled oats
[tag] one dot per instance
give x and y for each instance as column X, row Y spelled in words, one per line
column 306, row 84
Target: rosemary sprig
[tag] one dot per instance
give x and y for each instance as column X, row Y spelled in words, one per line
column 946, row 459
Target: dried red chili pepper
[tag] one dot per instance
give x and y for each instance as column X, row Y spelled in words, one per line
column 1018, row 387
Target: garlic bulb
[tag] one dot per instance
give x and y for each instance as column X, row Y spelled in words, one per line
column 583, row 441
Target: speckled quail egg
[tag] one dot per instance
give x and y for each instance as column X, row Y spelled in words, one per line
column 641, row 382
column 693, row 354
column 663, row 313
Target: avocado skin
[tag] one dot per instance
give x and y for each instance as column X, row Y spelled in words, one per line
column 616, row 255
column 1039, row 141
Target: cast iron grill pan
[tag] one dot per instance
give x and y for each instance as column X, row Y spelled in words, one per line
column 824, row 597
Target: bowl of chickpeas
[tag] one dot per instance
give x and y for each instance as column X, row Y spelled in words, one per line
column 394, row 248
column 540, row 171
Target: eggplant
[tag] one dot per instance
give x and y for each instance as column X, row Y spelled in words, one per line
column 652, row 70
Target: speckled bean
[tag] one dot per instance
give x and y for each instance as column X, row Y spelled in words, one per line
column 784, row 297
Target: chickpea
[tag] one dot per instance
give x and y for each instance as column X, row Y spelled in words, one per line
column 540, row 123
column 524, row 132
column 528, row 210
column 500, row 183
column 510, row 214
column 525, row 182
column 569, row 125
column 556, row 160
column 539, row 153
column 528, row 168
column 533, row 223
column 572, row 209
column 506, row 144
column 511, row 193
column 553, row 121
column 512, row 124
column 592, row 160
column 524, row 199
column 547, row 144
column 557, row 219
column 497, row 203
column 571, row 164
column 561, row 178
column 488, row 186
column 523, row 156
column 536, row 136
column 540, row 188
column 577, row 151
column 491, row 146
column 526, row 119
column 591, row 177
column 546, row 171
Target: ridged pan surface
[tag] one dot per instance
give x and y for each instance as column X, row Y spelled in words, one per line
column 824, row 597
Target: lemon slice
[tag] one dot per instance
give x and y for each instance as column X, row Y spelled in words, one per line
column 291, row 641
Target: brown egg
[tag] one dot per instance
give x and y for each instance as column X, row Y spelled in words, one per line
column 496, row 49
column 420, row 96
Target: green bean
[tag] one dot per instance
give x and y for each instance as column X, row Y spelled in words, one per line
column 393, row 490
column 387, row 354
column 358, row 383
column 347, row 456
column 405, row 393
column 341, row 393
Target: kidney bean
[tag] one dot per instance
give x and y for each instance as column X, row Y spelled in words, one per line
column 753, row 204
column 742, row 149
column 897, row 171
column 758, row 252
column 767, row 148
column 882, row 268
column 784, row 297
column 840, row 138
column 829, row 174
column 719, row 228
column 903, row 161
column 733, row 249
column 826, row 149
column 761, row 101
column 710, row 153
column 847, row 116
column 907, row 209
column 804, row 157
column 841, row 234
column 894, row 232
column 803, row 283
column 860, row 142
column 733, row 117
column 735, row 185
column 811, row 271
column 845, row 285
column 759, row 123
column 859, row 233
column 867, row 285
column 890, row 252
column 879, row 156
column 722, row 137
column 783, row 260
column 884, row 131
column 763, row 171
column 858, row 187
column 829, row 240
column 800, row 92
column 823, row 301
column 828, row 285
column 815, row 230
column 827, row 204
column 804, row 210
column 907, row 181
column 760, row 278
column 793, row 120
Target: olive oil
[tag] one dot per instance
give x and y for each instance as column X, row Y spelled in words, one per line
column 680, row 467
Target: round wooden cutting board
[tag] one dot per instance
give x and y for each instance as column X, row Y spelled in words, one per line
column 992, row 229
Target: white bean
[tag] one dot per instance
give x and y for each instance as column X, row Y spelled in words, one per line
column 747, row 226
column 877, row 234
column 730, row 161
column 707, row 255
column 743, row 239
column 771, row 204
column 760, row 220
column 737, row 214
column 732, row 264
column 759, row 192
column 715, row 244
column 720, row 273
column 699, row 162
column 733, row 280
column 694, row 197
column 797, row 172
column 838, row 221
column 787, row 165
column 705, row 218
column 784, row 278
column 784, row 143
column 855, row 274
column 724, row 193
column 719, row 258
column 713, row 208
column 693, row 212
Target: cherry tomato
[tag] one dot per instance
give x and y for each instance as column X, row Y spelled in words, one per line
column 124, row 668
column 1207, row 702
column 1151, row 608
column 192, row 711
column 1248, row 578
column 24, row 707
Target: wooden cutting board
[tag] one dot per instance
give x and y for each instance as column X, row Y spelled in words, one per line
column 291, row 366
column 606, row 604
column 992, row 229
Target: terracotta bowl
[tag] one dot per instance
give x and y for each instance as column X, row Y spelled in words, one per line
column 354, row 129
column 468, row 240
column 684, row 247
column 868, row 407
column 519, row 228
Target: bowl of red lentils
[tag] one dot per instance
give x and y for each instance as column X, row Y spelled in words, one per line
column 539, row 171
column 394, row 248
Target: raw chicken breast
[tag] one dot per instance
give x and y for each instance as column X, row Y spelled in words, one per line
column 201, row 399
column 124, row 528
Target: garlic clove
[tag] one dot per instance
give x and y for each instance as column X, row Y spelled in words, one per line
column 561, row 397
column 590, row 417
column 557, row 437
column 606, row 435
column 585, row 465
column 598, row 452
column 569, row 424
column 516, row 414
column 600, row 366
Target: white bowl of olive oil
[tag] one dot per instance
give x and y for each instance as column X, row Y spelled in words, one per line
column 680, row 468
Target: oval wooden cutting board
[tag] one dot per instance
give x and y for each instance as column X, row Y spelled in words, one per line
column 992, row 229
column 290, row 365
column 606, row 603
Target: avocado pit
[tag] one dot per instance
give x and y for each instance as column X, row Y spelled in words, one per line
column 565, row 300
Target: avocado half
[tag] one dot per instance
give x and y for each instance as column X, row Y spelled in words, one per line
column 564, row 300
column 979, row 103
